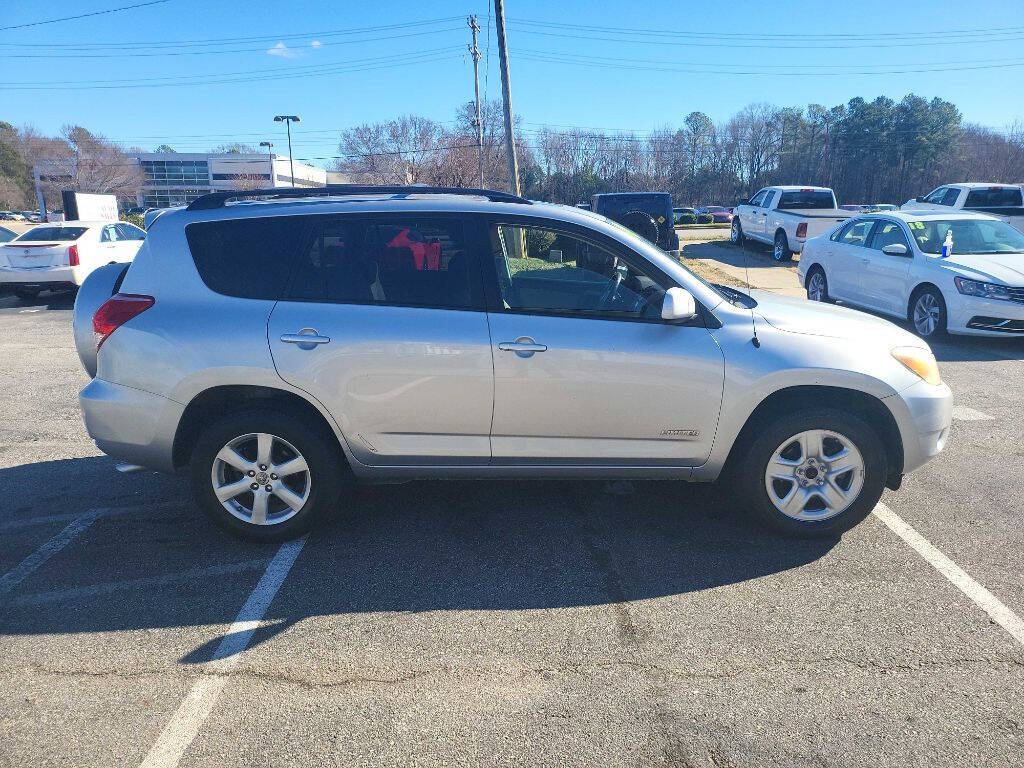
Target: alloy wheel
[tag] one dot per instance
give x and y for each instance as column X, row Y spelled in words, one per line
column 261, row 479
column 816, row 287
column 927, row 314
column 814, row 475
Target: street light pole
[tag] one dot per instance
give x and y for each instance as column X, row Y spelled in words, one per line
column 288, row 120
column 270, row 158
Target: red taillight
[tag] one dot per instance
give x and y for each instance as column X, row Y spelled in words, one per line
column 801, row 229
column 115, row 312
column 73, row 256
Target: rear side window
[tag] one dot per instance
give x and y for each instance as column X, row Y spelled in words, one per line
column 950, row 197
column 994, row 197
column 417, row 262
column 52, row 234
column 247, row 258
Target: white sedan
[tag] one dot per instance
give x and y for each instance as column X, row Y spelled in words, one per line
column 61, row 255
column 892, row 262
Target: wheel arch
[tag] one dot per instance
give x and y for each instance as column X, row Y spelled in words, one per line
column 217, row 402
column 917, row 290
column 866, row 406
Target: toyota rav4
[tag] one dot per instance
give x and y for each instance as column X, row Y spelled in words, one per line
column 275, row 348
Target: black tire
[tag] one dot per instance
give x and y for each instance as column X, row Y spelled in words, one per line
column 780, row 249
column 323, row 457
column 641, row 223
column 749, row 472
column 813, row 273
column 923, row 294
column 27, row 294
column 736, row 232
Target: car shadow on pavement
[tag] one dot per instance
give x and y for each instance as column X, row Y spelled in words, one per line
column 155, row 561
column 46, row 300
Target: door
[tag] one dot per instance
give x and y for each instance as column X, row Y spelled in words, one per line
column 846, row 280
column 761, row 215
column 751, row 217
column 129, row 240
column 586, row 372
column 383, row 323
column 885, row 274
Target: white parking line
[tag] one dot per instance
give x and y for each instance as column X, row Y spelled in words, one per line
column 963, row 413
column 18, row 574
column 109, row 587
column 984, row 599
column 185, row 723
column 60, row 517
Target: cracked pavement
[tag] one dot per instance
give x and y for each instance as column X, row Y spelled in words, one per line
column 541, row 622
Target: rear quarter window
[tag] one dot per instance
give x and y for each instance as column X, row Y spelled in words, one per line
column 246, row 258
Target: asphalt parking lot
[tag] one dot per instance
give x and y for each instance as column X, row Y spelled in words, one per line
column 502, row 623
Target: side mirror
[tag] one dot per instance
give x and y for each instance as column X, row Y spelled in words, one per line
column 896, row 249
column 678, row 305
column 918, row 199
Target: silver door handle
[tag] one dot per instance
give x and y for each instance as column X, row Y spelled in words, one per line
column 524, row 346
column 305, row 336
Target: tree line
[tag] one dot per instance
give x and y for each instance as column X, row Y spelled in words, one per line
column 879, row 151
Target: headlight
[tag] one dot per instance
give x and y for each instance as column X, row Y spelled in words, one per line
column 982, row 290
column 919, row 361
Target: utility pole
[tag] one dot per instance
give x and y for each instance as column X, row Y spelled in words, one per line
column 475, row 53
column 506, row 96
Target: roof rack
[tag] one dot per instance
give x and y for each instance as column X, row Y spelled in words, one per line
column 219, row 199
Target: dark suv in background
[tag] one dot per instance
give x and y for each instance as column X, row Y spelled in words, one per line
column 649, row 214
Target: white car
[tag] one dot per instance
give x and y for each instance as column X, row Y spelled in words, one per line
column 893, row 263
column 61, row 255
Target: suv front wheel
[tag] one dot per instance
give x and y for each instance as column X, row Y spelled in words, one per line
column 264, row 475
column 813, row 474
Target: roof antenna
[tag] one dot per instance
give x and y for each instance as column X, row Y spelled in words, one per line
column 746, row 271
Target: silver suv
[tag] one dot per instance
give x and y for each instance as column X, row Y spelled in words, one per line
column 275, row 348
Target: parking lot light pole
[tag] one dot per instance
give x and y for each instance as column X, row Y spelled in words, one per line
column 270, row 157
column 288, row 120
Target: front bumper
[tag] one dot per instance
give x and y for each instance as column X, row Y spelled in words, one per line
column 131, row 424
column 42, row 277
column 923, row 414
column 984, row 317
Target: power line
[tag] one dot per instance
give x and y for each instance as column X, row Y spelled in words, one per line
column 261, row 49
column 232, row 40
column 779, row 36
column 83, row 15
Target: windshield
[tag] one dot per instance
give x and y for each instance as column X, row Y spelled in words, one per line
column 968, row 236
column 51, row 234
column 806, row 198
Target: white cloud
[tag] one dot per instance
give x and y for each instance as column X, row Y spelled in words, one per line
column 315, row 44
column 282, row 50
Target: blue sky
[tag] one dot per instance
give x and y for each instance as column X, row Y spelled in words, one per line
column 573, row 63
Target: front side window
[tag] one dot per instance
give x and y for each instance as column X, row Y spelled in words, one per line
column 758, row 198
column 950, row 197
column 109, row 234
column 856, row 232
column 546, row 271
column 935, row 196
column 888, row 233
column 420, row 262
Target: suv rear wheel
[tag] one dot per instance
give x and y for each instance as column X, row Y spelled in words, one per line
column 264, row 475
column 813, row 474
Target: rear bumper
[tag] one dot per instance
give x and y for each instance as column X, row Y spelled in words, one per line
column 41, row 276
column 130, row 424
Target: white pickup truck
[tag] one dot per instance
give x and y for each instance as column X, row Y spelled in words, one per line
column 1004, row 201
column 784, row 217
